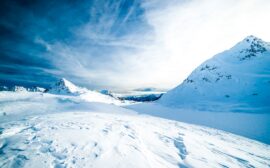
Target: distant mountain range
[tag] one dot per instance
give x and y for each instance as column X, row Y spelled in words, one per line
column 21, row 89
column 65, row 87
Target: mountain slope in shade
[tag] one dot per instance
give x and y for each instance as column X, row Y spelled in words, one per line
column 237, row 79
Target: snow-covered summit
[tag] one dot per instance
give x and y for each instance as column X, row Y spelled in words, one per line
column 251, row 47
column 63, row 86
column 238, row 78
column 251, row 39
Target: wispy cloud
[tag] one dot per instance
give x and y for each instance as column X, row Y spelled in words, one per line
column 128, row 44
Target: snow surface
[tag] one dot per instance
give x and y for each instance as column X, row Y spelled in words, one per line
column 235, row 80
column 45, row 130
column 251, row 125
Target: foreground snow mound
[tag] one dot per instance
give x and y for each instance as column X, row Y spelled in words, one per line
column 80, row 139
column 45, row 130
column 234, row 80
column 65, row 87
column 17, row 105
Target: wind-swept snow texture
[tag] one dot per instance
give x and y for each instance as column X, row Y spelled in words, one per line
column 44, row 130
column 235, row 80
column 252, row 125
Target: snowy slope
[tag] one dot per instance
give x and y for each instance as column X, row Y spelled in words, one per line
column 251, row 125
column 83, row 134
column 65, row 87
column 17, row 105
column 235, row 80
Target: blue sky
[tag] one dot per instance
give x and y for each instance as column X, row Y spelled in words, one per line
column 120, row 45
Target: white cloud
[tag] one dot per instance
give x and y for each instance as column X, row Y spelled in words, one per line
column 189, row 32
column 180, row 36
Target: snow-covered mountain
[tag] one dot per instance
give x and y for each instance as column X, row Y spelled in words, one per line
column 48, row 130
column 65, row 87
column 237, row 79
column 22, row 89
